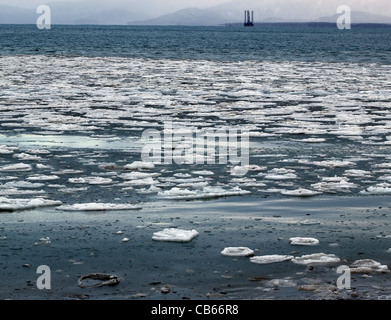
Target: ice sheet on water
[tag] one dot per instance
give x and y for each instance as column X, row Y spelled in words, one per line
column 91, row 180
column 175, row 235
column 300, row 192
column 43, row 178
column 96, row 206
column 16, row 167
column 27, row 157
column 368, row 266
column 7, row 204
column 21, row 184
column 204, row 193
column 316, row 259
column 376, row 190
column 139, row 165
column 271, row 258
column 237, row 252
column 303, row 241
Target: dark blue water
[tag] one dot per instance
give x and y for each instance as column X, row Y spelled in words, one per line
column 265, row 42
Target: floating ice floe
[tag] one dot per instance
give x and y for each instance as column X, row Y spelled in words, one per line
column 42, row 241
column 43, row 178
column 316, row 259
column 357, row 173
column 341, row 185
column 376, row 190
column 16, row 167
column 21, row 184
column 286, row 176
column 98, row 207
column 284, row 283
column 175, row 235
column 300, row 192
column 140, row 182
column 27, row 157
column 303, row 241
column 334, row 163
column 368, row 266
column 242, row 170
column 309, row 222
column 237, row 252
column 272, row 258
column 313, row 140
column 203, row 173
column 205, row 193
column 91, row 180
column 23, row 204
column 137, row 175
column 137, row 165
column 6, row 150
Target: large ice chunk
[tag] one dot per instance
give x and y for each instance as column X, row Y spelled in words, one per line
column 175, row 235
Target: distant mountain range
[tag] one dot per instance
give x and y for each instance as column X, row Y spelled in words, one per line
column 94, row 12
column 208, row 17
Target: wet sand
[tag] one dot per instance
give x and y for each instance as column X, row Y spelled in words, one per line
column 352, row 228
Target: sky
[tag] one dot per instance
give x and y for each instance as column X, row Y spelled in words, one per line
column 301, row 9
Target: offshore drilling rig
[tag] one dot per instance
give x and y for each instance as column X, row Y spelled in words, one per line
column 248, row 22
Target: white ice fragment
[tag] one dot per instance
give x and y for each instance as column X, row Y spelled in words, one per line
column 286, row 283
column 204, row 193
column 23, row 204
column 203, row 173
column 242, row 170
column 136, row 165
column 175, row 235
column 27, row 157
column 376, row 190
column 43, row 178
column 303, row 241
column 16, row 167
column 237, row 252
column 42, row 241
column 313, row 140
column 300, row 192
column 286, row 176
column 368, row 266
column 334, row 163
column 125, row 239
column 316, row 259
column 98, row 207
column 309, row 222
column 272, row 258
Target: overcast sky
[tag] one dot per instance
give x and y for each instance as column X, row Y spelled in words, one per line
column 158, row 7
